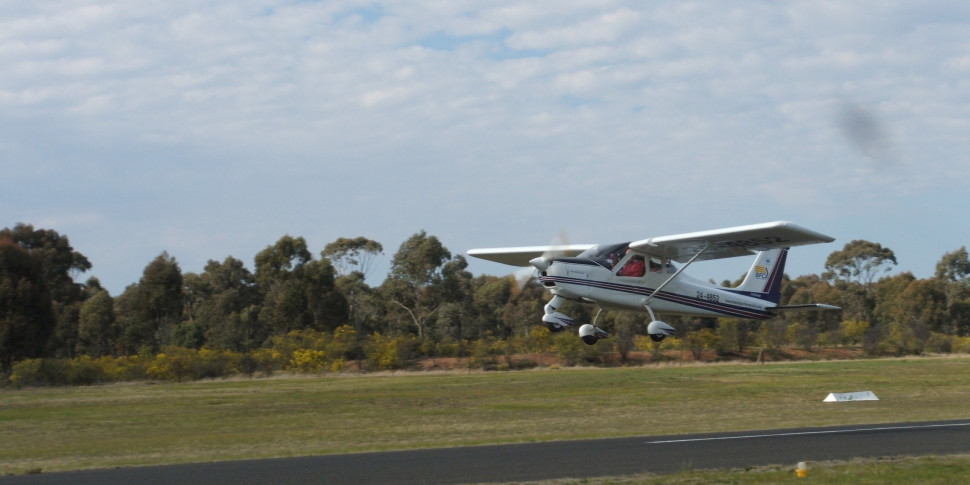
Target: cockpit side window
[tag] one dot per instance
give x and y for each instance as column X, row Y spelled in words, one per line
column 634, row 268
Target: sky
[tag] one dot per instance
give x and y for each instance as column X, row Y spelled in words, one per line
column 210, row 129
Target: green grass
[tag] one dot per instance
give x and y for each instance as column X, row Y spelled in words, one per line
column 929, row 470
column 143, row 423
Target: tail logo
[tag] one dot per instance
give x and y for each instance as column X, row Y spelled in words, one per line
column 761, row 272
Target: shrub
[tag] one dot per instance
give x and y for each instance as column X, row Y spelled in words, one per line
column 308, row 361
column 568, row 348
column 390, row 352
column 26, row 373
column 344, row 343
column 961, row 345
column 853, row 331
column 700, row 340
column 130, row 368
column 268, row 360
column 300, row 339
column 940, row 343
column 174, row 363
column 216, row 363
column 483, row 353
column 83, row 371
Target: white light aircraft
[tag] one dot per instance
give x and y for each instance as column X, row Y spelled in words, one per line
column 640, row 275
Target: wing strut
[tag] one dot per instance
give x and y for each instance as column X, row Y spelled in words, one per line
column 676, row 274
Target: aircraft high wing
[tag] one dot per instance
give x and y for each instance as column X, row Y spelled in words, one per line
column 730, row 242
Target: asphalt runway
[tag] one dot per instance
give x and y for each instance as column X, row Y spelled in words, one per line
column 542, row 461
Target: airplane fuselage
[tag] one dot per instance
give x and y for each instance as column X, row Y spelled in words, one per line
column 586, row 281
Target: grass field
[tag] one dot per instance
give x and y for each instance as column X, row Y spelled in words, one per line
column 924, row 470
column 52, row 429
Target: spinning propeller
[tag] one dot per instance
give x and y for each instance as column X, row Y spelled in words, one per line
column 557, row 249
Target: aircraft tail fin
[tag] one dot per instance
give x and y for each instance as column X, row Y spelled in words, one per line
column 764, row 278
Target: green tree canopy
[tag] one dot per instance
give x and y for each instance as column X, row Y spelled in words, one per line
column 25, row 304
column 152, row 308
column 277, row 262
column 223, row 304
column 60, row 263
column 859, row 261
column 297, row 291
column 954, row 266
column 352, row 255
column 416, row 270
column 97, row 332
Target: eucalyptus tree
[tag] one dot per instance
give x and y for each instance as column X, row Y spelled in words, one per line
column 954, row 266
column 59, row 263
column 26, row 319
column 911, row 309
column 150, row 310
column 352, row 255
column 278, row 268
column 954, row 271
column 97, row 329
column 326, row 305
column 860, row 261
column 423, row 277
column 297, row 292
column 490, row 296
column 223, row 304
column 854, row 269
column 352, row 259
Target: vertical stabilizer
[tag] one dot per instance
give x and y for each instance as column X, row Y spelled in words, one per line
column 764, row 278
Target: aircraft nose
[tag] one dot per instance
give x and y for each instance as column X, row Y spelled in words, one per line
column 540, row 263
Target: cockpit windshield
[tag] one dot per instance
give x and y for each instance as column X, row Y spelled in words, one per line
column 606, row 255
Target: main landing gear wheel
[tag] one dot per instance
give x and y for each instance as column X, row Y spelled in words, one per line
column 591, row 334
column 658, row 330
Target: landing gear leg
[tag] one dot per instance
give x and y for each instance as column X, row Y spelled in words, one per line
column 554, row 320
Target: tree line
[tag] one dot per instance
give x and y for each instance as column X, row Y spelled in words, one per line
column 429, row 305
